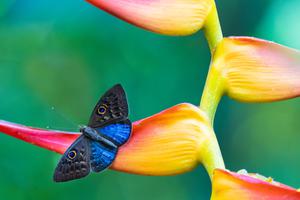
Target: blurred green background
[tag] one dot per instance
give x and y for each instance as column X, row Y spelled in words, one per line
column 58, row 57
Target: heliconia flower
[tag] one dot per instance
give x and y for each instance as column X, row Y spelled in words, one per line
column 255, row 70
column 171, row 142
column 235, row 186
column 171, row 17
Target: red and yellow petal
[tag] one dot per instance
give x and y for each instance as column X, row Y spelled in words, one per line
column 170, row 17
column 234, row 186
column 171, row 142
column 256, row 70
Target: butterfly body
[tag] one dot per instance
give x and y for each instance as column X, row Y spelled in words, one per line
column 95, row 150
column 93, row 134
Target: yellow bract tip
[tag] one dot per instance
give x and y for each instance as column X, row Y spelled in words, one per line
column 256, row 70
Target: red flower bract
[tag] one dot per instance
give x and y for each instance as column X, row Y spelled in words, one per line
column 233, row 186
column 57, row 141
column 171, row 142
column 170, row 17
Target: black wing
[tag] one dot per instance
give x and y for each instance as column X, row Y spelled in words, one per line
column 75, row 163
column 111, row 108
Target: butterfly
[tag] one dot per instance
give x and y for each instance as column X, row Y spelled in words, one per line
column 97, row 147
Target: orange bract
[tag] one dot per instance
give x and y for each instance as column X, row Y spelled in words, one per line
column 256, row 70
column 166, row 143
column 233, row 186
column 171, row 142
column 170, row 17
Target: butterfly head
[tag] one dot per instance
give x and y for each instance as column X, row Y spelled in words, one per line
column 82, row 128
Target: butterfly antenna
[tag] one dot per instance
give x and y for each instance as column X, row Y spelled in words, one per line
column 65, row 118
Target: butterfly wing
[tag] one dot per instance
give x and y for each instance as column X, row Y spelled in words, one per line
column 75, row 163
column 112, row 107
column 110, row 116
column 101, row 156
column 118, row 132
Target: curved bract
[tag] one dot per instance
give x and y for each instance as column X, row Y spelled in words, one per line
column 171, row 142
column 170, row 17
column 255, row 70
column 234, row 186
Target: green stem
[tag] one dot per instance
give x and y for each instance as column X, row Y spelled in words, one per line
column 212, row 93
column 215, row 159
column 213, row 89
column 212, row 29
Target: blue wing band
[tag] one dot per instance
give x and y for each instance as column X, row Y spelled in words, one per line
column 119, row 133
column 101, row 156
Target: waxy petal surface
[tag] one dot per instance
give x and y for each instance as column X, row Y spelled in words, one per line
column 256, row 70
column 170, row 17
column 233, row 186
column 171, row 142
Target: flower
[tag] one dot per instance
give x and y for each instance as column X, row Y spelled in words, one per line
column 228, row 185
column 170, row 17
column 255, row 70
column 171, row 142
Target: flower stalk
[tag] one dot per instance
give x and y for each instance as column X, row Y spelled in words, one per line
column 212, row 29
column 212, row 93
column 211, row 156
column 213, row 89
